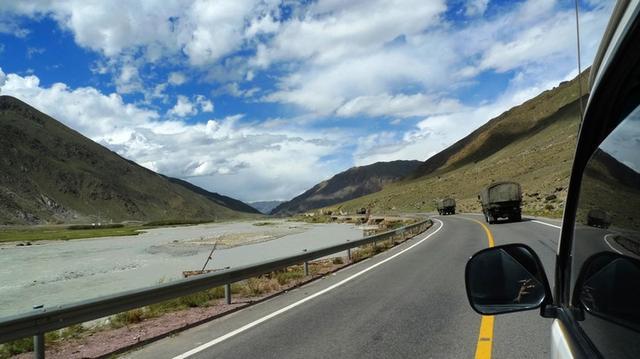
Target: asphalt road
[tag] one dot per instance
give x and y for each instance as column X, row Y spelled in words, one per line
column 407, row 302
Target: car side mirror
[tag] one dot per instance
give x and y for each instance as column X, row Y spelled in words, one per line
column 608, row 287
column 505, row 279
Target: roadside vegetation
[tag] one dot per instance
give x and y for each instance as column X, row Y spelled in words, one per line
column 41, row 233
column 318, row 218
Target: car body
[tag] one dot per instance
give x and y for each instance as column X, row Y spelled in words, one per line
column 595, row 301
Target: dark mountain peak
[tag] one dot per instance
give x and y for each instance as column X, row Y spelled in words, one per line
column 354, row 182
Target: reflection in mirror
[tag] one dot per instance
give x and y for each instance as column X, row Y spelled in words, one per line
column 609, row 287
column 608, row 216
column 607, row 240
column 505, row 279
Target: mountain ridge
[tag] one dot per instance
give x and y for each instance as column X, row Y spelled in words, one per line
column 354, row 182
column 50, row 173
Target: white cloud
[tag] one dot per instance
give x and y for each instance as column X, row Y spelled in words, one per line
column 177, row 78
column 129, row 80
column 476, row 7
column 399, row 105
column 205, row 104
column 183, row 107
column 248, row 161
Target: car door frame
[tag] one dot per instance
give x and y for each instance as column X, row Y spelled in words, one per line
column 618, row 57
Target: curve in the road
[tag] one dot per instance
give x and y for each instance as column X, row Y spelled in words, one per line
column 306, row 299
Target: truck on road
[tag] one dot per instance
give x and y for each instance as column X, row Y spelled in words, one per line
column 446, row 206
column 598, row 218
column 501, row 200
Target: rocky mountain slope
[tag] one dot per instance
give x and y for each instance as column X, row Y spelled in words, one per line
column 50, row 173
column 352, row 183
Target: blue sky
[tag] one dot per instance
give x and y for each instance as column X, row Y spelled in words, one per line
column 260, row 100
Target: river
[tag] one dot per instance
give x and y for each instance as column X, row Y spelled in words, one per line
column 59, row 272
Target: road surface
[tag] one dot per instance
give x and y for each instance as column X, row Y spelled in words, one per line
column 407, row 302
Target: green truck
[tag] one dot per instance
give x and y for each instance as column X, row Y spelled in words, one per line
column 446, row 206
column 501, row 200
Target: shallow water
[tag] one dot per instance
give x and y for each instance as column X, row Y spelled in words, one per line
column 62, row 272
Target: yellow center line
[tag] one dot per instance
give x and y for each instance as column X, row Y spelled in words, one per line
column 485, row 338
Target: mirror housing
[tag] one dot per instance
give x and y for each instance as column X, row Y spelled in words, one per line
column 506, row 279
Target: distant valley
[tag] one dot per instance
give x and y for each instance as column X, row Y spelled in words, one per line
column 265, row 206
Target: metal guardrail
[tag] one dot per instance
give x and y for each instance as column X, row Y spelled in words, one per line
column 44, row 320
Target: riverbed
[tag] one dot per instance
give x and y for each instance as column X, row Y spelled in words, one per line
column 61, row 272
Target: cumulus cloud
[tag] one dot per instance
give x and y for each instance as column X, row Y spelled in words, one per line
column 177, row 78
column 247, row 161
column 205, row 104
column 342, row 60
column 183, row 107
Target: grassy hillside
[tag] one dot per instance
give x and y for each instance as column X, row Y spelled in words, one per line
column 52, row 174
column 352, row 183
column 532, row 144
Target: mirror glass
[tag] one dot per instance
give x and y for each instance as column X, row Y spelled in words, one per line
column 610, row 288
column 505, row 279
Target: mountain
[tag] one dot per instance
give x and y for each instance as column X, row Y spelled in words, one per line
column 222, row 200
column 50, row 173
column 265, row 206
column 532, row 143
column 352, row 183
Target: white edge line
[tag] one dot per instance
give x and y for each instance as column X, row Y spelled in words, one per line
column 301, row 301
column 547, row 224
column 606, row 240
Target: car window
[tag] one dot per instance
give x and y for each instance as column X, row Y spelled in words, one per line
column 606, row 246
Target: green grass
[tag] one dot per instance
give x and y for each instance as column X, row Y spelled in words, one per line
column 25, row 345
column 33, row 234
column 177, row 222
column 311, row 219
column 260, row 224
column 92, row 226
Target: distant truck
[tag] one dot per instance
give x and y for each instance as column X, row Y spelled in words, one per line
column 598, row 218
column 446, row 206
column 501, row 200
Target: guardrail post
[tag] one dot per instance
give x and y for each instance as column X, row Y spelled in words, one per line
column 349, row 254
column 38, row 346
column 306, row 269
column 227, row 293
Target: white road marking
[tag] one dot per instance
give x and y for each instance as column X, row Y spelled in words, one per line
column 606, row 240
column 547, row 224
column 301, row 301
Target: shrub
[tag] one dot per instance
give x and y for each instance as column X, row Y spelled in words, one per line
column 16, row 347
column 125, row 318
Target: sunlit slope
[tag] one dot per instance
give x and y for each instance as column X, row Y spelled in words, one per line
column 50, row 173
column 532, row 144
